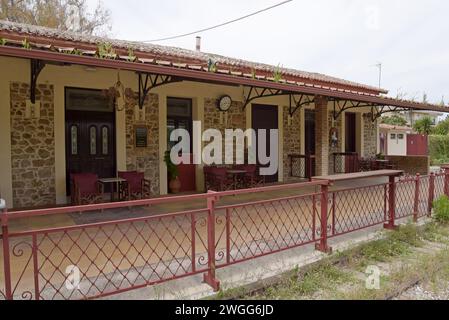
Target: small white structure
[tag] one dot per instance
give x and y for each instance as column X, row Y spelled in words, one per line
column 393, row 140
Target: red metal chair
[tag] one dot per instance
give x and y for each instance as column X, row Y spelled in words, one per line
column 86, row 189
column 208, row 177
column 136, row 186
column 251, row 179
column 219, row 180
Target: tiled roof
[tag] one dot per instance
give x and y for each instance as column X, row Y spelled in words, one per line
column 393, row 127
column 178, row 56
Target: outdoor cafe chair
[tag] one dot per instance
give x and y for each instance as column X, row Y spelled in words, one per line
column 136, row 186
column 251, row 179
column 86, row 189
column 218, row 179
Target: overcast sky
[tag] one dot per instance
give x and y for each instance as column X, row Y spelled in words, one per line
column 343, row 38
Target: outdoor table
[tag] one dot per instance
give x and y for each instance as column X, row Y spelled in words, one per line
column 113, row 182
column 236, row 174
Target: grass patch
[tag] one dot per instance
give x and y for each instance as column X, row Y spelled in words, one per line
column 340, row 276
column 325, row 276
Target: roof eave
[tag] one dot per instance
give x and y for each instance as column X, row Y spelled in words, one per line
column 194, row 75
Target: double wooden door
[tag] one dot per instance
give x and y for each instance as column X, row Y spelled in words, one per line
column 90, row 144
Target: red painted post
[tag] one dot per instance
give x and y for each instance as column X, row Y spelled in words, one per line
column 193, row 235
column 446, row 181
column 228, row 236
column 416, row 203
column 431, row 194
column 322, row 245
column 390, row 225
column 210, row 277
column 6, row 254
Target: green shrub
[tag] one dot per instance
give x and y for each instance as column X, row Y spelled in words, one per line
column 441, row 208
column 439, row 149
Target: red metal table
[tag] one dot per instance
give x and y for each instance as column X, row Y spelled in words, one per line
column 113, row 182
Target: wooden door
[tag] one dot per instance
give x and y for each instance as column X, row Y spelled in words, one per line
column 310, row 147
column 90, row 144
column 350, row 133
column 179, row 116
column 351, row 157
column 266, row 117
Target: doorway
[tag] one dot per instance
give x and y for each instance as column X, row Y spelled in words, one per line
column 265, row 117
column 90, row 134
column 309, row 137
column 350, row 133
column 180, row 116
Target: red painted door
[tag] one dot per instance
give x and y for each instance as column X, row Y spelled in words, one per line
column 187, row 174
column 417, row 145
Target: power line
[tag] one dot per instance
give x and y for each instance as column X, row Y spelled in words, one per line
column 219, row 25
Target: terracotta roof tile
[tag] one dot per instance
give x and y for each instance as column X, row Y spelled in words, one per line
column 163, row 53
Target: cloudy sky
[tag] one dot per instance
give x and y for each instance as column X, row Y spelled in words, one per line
column 343, row 38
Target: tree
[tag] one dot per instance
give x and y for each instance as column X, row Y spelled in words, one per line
column 423, row 126
column 394, row 120
column 442, row 128
column 65, row 15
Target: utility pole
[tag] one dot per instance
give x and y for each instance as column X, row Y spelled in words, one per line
column 379, row 65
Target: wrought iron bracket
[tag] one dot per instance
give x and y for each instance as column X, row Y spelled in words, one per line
column 341, row 106
column 36, row 67
column 150, row 81
column 296, row 104
column 255, row 93
column 376, row 113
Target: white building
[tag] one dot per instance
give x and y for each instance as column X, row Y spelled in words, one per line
column 393, row 140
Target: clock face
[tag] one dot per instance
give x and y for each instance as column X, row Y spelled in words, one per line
column 225, row 103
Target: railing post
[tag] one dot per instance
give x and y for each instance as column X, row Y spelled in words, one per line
column 446, row 181
column 391, row 205
column 210, row 277
column 322, row 245
column 6, row 255
column 416, row 203
column 431, row 194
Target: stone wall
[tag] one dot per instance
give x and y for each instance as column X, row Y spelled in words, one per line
column 411, row 164
column 292, row 140
column 144, row 159
column 338, row 124
column 214, row 119
column 32, row 148
column 369, row 136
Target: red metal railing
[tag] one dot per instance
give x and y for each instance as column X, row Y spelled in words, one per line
column 259, row 228
column 346, row 162
column 358, row 208
column 302, row 166
column 117, row 256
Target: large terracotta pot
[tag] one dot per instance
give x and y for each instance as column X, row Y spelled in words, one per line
column 175, row 185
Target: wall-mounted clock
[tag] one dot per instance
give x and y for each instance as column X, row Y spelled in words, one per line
column 224, row 103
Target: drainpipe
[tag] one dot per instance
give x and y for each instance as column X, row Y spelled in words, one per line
column 198, row 44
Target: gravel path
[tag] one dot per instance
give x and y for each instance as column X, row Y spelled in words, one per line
column 423, row 293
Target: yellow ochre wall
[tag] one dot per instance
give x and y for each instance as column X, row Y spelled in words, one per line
column 18, row 70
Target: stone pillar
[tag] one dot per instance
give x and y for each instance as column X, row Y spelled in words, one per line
column 321, row 136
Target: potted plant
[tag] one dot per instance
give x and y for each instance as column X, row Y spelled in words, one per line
column 173, row 174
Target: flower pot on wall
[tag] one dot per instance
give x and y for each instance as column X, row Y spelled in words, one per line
column 175, row 185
